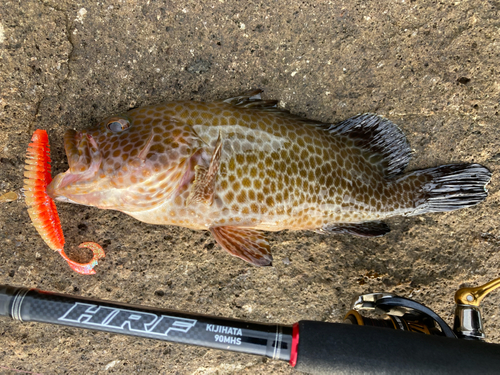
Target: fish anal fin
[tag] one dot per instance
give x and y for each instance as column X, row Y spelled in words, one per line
column 205, row 178
column 248, row 244
column 368, row 229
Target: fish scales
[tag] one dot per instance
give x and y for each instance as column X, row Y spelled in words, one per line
column 263, row 153
column 241, row 165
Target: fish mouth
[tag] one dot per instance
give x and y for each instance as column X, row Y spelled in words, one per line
column 84, row 159
column 81, row 150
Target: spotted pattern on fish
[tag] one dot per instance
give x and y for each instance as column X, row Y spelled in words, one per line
column 241, row 165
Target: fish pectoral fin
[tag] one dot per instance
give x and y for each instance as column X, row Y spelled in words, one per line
column 205, row 178
column 248, row 244
column 368, row 229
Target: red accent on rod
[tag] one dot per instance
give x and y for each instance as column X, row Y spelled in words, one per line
column 295, row 344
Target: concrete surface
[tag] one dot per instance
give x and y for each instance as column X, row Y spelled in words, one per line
column 432, row 67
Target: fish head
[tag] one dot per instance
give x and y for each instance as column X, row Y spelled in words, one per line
column 129, row 162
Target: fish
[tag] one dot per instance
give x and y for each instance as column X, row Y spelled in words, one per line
column 242, row 166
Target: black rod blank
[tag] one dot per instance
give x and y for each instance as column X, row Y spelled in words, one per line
column 269, row 340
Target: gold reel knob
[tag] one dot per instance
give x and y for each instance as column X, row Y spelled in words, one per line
column 474, row 296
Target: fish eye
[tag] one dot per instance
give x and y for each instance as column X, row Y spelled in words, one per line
column 119, row 125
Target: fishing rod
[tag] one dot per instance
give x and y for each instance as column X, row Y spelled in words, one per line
column 405, row 337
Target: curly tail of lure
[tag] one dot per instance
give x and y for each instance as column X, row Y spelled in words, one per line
column 42, row 210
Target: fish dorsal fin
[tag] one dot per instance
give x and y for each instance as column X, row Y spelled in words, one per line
column 368, row 229
column 248, row 244
column 379, row 136
column 252, row 100
column 205, row 178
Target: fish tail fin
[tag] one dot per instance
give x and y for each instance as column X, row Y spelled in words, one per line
column 450, row 187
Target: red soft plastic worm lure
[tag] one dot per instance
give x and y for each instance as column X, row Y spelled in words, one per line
column 43, row 211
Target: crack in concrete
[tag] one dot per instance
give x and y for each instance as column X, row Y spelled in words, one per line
column 53, row 6
column 69, row 36
column 68, row 30
column 37, row 114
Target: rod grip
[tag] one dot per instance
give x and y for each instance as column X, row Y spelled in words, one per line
column 333, row 348
column 7, row 294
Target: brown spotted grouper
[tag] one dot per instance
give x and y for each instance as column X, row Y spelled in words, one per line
column 241, row 166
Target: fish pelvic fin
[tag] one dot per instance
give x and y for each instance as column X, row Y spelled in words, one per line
column 248, row 244
column 368, row 229
column 385, row 142
column 450, row 187
column 203, row 189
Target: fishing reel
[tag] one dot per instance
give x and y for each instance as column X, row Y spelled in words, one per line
column 403, row 314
